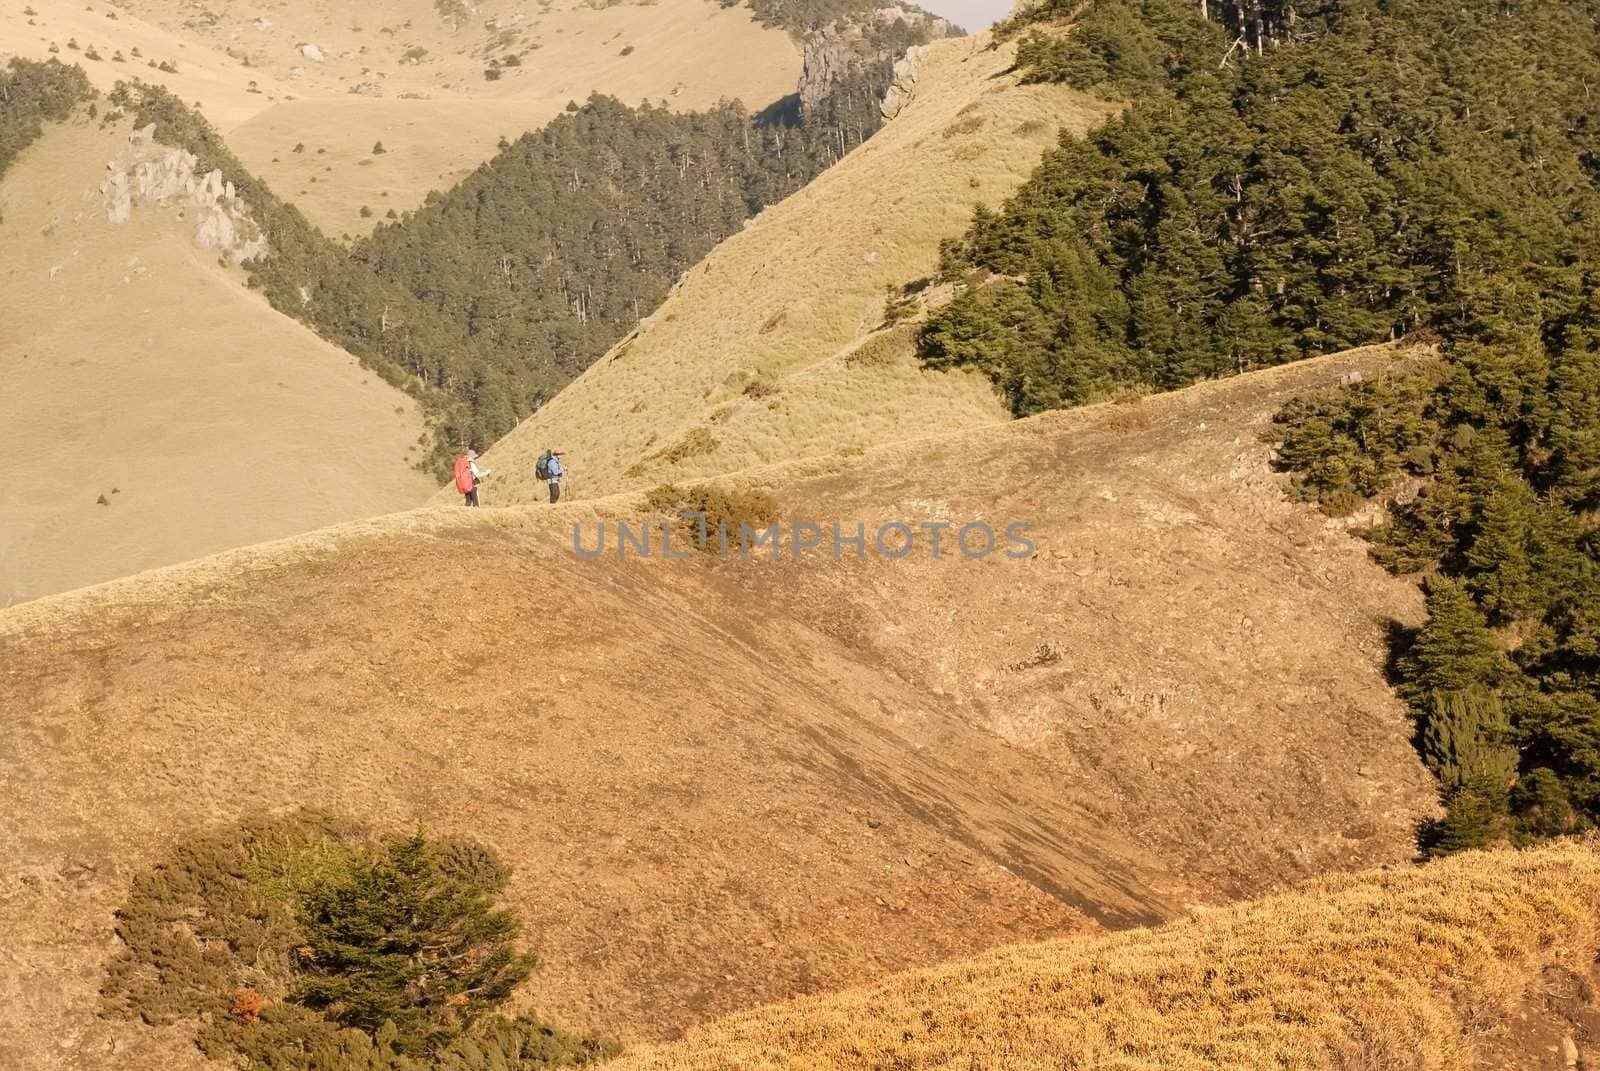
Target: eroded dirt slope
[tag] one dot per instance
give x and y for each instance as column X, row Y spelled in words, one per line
column 727, row 782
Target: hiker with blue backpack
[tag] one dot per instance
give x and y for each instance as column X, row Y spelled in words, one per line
column 550, row 469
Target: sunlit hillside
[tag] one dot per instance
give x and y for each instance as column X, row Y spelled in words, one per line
column 406, row 73
column 770, row 348
column 1486, row 960
column 728, row 782
column 155, row 409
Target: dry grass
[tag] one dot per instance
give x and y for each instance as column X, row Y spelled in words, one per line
column 218, row 81
column 790, row 298
column 691, row 54
column 1383, row 971
column 140, row 371
column 439, row 117
column 744, row 781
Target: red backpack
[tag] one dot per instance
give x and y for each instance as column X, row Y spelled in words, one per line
column 464, row 481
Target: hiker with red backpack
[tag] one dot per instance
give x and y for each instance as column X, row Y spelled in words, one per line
column 467, row 476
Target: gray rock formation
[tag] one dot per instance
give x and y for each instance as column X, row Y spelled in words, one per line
column 900, row 91
column 829, row 55
column 146, row 173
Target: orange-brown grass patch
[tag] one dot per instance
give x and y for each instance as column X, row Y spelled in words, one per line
column 1391, row 969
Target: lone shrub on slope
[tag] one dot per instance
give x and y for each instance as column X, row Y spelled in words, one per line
column 309, row 942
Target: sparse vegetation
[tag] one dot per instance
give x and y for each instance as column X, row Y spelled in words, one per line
column 312, row 935
column 759, row 388
column 33, row 94
column 899, row 304
column 454, row 12
column 719, row 509
column 695, row 443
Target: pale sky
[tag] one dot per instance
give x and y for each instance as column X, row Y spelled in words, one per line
column 970, row 15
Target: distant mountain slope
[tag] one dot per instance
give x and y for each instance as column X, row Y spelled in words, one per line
column 1485, row 961
column 767, row 350
column 724, row 783
column 142, row 374
column 419, row 68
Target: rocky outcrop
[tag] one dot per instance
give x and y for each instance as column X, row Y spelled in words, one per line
column 829, row 55
column 834, row 52
column 900, row 91
column 146, row 173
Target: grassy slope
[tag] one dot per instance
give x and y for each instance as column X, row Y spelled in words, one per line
column 1386, row 970
column 691, row 53
column 729, row 784
column 218, row 81
column 139, row 369
column 790, row 298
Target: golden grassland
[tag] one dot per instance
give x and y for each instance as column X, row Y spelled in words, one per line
column 769, row 349
column 726, row 783
column 439, row 119
column 155, row 409
column 420, row 73
column 1402, row 968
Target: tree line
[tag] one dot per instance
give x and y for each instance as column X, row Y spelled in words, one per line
column 1296, row 178
column 493, row 295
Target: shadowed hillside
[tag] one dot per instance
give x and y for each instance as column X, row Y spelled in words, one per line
column 728, row 782
column 1484, row 961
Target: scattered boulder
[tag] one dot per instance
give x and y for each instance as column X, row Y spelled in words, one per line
column 215, row 230
column 312, row 53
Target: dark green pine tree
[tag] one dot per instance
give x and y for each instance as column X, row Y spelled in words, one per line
column 1500, row 568
column 1453, row 652
column 1475, row 817
column 1450, row 678
column 409, row 942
